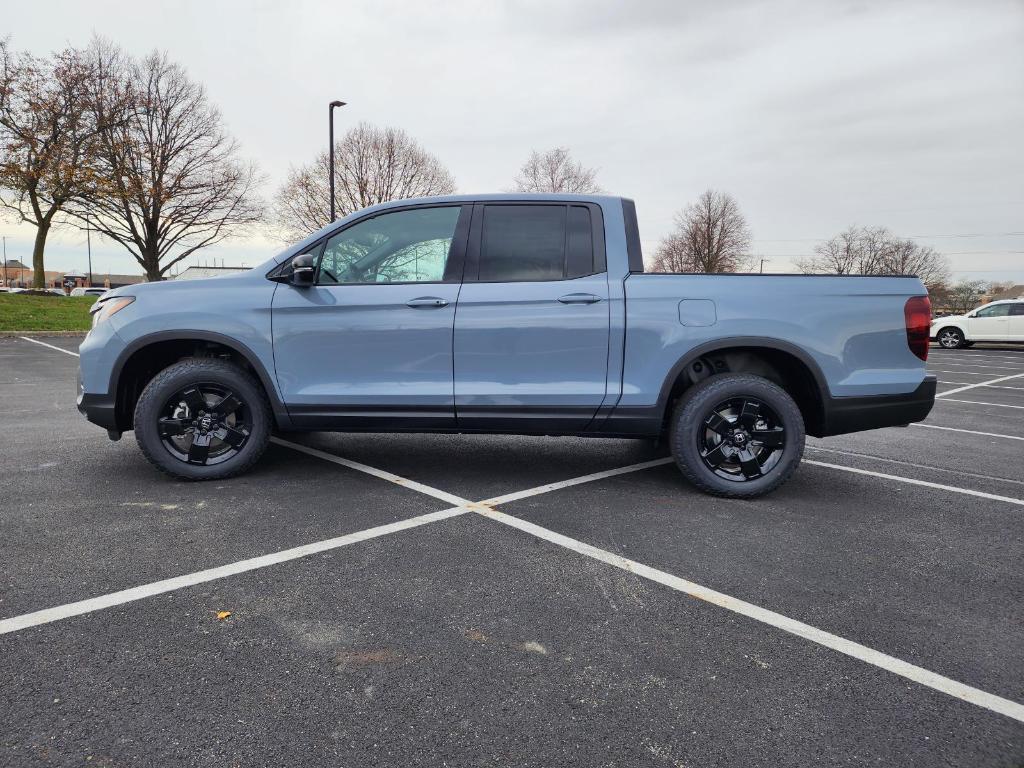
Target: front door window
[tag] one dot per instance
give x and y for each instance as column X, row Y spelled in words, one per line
column 403, row 247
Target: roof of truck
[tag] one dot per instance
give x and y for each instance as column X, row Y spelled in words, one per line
column 498, row 197
column 511, row 197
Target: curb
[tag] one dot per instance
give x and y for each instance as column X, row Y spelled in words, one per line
column 16, row 334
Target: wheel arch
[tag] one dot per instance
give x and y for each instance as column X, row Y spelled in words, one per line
column 785, row 364
column 953, row 326
column 147, row 355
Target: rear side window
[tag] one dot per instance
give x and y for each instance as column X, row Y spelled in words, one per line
column 1017, row 309
column 579, row 256
column 536, row 242
column 523, row 242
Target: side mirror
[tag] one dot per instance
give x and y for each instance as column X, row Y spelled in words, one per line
column 303, row 271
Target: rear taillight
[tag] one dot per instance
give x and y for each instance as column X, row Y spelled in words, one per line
column 917, row 313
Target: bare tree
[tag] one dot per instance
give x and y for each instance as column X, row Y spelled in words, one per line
column 965, row 295
column 710, row 235
column 876, row 251
column 171, row 179
column 905, row 257
column 47, row 139
column 555, row 171
column 372, row 165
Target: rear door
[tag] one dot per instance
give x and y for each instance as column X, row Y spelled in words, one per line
column 1016, row 332
column 991, row 323
column 532, row 322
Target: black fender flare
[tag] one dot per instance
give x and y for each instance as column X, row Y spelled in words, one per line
column 240, row 349
column 753, row 342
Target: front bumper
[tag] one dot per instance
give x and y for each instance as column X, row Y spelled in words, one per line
column 855, row 414
column 99, row 409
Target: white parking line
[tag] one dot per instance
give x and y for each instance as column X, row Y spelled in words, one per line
column 517, row 495
column 463, row 506
column 904, row 463
column 437, row 493
column 959, row 373
column 80, row 607
column 1011, row 361
column 974, row 356
column 969, row 431
column 978, row 402
column 915, row 481
column 986, row 386
column 980, row 384
column 860, row 652
column 51, row 346
column 977, row 365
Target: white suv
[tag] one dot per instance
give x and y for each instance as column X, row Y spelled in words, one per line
column 999, row 321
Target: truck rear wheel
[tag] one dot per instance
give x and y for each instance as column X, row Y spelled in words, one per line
column 737, row 435
column 203, row 419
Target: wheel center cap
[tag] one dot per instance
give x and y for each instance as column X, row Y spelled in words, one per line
column 205, row 423
column 739, row 439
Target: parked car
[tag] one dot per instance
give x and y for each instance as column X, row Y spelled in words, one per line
column 505, row 314
column 56, row 291
column 1001, row 320
column 83, row 291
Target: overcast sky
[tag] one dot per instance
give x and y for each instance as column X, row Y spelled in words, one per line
column 814, row 115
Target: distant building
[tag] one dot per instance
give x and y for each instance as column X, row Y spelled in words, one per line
column 1013, row 292
column 16, row 274
column 108, row 280
column 198, row 273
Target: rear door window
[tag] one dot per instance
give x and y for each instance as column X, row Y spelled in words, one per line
column 523, row 242
column 536, row 243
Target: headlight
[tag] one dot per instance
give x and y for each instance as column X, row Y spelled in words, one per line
column 102, row 310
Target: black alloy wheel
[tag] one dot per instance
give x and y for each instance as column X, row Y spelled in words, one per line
column 742, row 439
column 203, row 419
column 737, row 435
column 204, row 424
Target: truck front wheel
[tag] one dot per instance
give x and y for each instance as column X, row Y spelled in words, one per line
column 203, row 419
column 737, row 435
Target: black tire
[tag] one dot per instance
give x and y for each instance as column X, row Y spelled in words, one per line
column 951, row 338
column 177, row 416
column 756, row 450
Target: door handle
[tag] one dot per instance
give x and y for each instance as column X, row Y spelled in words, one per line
column 427, row 302
column 579, row 298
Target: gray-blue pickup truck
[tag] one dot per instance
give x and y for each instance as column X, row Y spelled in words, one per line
column 525, row 314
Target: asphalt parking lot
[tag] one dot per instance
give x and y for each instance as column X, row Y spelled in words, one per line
column 596, row 611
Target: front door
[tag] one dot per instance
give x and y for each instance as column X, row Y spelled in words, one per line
column 369, row 345
column 990, row 323
column 532, row 325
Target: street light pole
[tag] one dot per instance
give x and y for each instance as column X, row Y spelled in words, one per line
column 761, row 271
column 330, row 121
column 88, row 246
column 5, row 262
